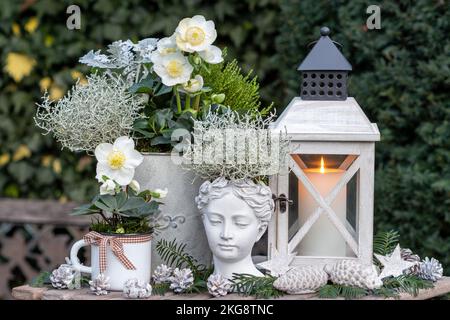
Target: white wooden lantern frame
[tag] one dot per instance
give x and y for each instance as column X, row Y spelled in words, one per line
column 333, row 128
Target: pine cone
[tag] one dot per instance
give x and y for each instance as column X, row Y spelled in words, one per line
column 181, row 280
column 162, row 274
column 430, row 269
column 62, row 277
column 353, row 273
column 302, row 279
column 134, row 290
column 408, row 255
column 100, row 285
column 218, row 286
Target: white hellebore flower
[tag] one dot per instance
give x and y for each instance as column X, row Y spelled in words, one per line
column 135, row 186
column 108, row 187
column 164, row 47
column 173, row 69
column 212, row 55
column 194, row 85
column 117, row 161
column 195, row 34
column 162, row 192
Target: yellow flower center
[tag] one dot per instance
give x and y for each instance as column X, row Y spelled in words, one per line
column 116, row 159
column 195, row 35
column 174, row 68
column 167, row 51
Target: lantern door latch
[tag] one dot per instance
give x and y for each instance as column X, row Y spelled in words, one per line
column 282, row 200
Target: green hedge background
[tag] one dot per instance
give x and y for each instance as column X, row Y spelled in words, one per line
column 401, row 79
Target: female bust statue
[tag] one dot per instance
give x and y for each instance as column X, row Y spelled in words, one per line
column 235, row 215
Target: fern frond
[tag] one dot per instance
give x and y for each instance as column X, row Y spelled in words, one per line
column 384, row 242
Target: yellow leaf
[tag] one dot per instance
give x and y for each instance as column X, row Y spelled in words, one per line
column 15, row 29
column 19, row 65
column 46, row 160
column 45, row 83
column 31, row 25
column 56, row 92
column 57, row 166
column 63, row 199
column 4, row 159
column 22, row 152
column 49, row 40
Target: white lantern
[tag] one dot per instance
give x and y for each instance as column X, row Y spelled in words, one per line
column 324, row 211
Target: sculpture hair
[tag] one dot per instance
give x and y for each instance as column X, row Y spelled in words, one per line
column 257, row 196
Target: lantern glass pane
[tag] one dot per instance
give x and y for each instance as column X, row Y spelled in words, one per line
column 323, row 237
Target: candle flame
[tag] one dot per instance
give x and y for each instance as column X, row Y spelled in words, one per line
column 322, row 165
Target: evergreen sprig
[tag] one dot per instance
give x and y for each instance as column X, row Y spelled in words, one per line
column 384, row 242
column 407, row 283
column 175, row 256
column 41, row 279
column 333, row 291
column 241, row 90
column 261, row 287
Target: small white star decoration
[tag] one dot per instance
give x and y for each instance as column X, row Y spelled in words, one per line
column 393, row 264
column 279, row 264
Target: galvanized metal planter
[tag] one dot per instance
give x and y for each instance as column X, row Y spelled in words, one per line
column 180, row 218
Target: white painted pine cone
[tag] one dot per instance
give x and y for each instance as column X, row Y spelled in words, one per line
column 302, row 279
column 355, row 274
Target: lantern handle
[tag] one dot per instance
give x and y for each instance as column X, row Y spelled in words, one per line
column 282, row 199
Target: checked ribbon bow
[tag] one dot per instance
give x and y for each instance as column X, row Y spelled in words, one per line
column 116, row 245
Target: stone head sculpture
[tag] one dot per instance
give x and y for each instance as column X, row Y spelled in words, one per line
column 235, row 215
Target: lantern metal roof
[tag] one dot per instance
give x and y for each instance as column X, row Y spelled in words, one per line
column 325, row 56
column 314, row 120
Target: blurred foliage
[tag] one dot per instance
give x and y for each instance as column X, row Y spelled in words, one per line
column 401, row 79
column 39, row 52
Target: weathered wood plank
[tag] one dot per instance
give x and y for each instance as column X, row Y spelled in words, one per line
column 40, row 212
column 29, row 293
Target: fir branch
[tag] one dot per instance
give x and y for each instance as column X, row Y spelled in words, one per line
column 333, row 291
column 160, row 289
column 174, row 255
column 384, row 242
column 41, row 279
column 261, row 287
column 407, row 283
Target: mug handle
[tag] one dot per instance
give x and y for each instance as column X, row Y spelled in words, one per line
column 74, row 257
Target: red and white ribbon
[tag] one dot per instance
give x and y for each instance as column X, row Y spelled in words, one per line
column 116, row 245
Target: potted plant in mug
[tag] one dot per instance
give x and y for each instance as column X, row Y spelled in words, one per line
column 120, row 238
column 152, row 91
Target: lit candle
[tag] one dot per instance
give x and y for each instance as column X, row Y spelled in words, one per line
column 323, row 239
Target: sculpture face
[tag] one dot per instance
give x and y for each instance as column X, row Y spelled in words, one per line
column 232, row 227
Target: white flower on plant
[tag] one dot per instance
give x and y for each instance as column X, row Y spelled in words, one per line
column 212, row 55
column 108, row 187
column 194, row 85
column 118, row 161
column 195, row 34
column 162, row 192
column 164, row 47
column 173, row 69
column 135, row 186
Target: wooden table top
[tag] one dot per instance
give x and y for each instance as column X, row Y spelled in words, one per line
column 27, row 292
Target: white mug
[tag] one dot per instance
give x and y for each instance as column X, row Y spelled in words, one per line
column 139, row 254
